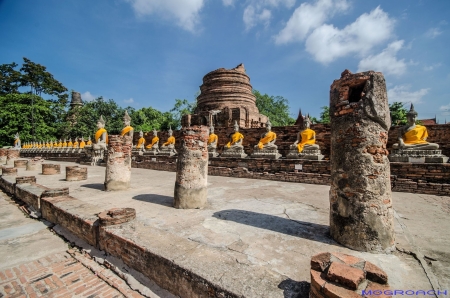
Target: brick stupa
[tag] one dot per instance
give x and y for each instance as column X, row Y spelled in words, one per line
column 226, row 96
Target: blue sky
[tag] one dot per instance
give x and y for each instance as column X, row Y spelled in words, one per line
column 150, row 52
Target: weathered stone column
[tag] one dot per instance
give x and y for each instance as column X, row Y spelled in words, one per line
column 11, row 156
column 361, row 215
column 3, row 155
column 9, row 171
column 50, row 169
column 33, row 165
column 20, row 163
column 118, row 165
column 192, row 169
column 76, row 173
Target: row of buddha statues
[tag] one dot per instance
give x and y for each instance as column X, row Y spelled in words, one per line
column 412, row 143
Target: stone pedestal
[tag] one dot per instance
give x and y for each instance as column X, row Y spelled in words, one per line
column 417, row 156
column 311, row 154
column 3, row 155
column 237, row 153
column 11, row 156
column 118, row 165
column 153, row 151
column 76, row 173
column 167, row 151
column 265, row 153
column 34, row 164
column 337, row 275
column 212, row 152
column 51, row 169
column 9, row 171
column 20, row 163
column 25, row 179
column 116, row 216
column 361, row 214
column 192, row 169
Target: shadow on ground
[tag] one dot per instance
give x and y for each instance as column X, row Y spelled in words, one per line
column 155, row 199
column 98, row 186
column 295, row 289
column 302, row 229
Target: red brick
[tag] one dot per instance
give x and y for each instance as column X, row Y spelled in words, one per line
column 375, row 273
column 345, row 275
column 321, row 261
column 333, row 291
column 317, row 280
column 348, row 259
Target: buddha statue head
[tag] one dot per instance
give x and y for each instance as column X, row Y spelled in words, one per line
column 236, row 126
column 126, row 119
column 141, row 134
column 411, row 116
column 170, row 131
column 268, row 125
column 100, row 122
column 307, row 122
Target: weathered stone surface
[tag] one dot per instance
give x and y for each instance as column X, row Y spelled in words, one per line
column 51, row 169
column 321, row 262
column 345, row 275
column 6, row 171
column 55, row 192
column 76, row 173
column 361, row 215
column 118, row 165
column 226, row 96
column 11, row 156
column 116, row 216
column 25, row 179
column 34, row 164
column 3, row 155
column 192, row 169
column 20, row 163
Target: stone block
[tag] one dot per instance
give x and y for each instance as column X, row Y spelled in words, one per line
column 6, row 171
column 116, row 216
column 345, row 275
column 76, row 173
column 321, row 261
column 51, row 169
column 375, row 273
column 20, row 163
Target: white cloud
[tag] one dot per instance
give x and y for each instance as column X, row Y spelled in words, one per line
column 87, row 96
column 433, row 32
column 431, row 67
column 130, row 100
column 386, row 61
column 253, row 16
column 445, row 108
column 228, row 2
column 402, row 93
column 307, row 17
column 185, row 12
column 327, row 43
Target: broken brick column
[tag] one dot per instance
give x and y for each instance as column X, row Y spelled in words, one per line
column 76, row 173
column 50, row 169
column 361, row 215
column 192, row 169
column 9, row 171
column 12, row 155
column 3, row 155
column 337, row 275
column 20, row 163
column 118, row 164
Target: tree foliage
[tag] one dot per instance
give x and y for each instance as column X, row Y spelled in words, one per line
column 325, row 115
column 398, row 113
column 275, row 107
column 10, row 79
column 15, row 116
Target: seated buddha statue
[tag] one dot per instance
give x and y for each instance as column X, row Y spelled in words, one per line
column 268, row 138
column 89, row 142
column 234, row 147
column 141, row 142
column 82, row 143
column 413, row 136
column 64, row 144
column 168, row 148
column 101, row 135
column 306, row 138
column 127, row 130
column 70, row 144
column 212, row 143
column 155, row 142
column 75, row 144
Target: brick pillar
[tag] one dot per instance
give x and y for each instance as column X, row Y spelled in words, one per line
column 76, row 173
column 337, row 275
column 33, row 165
column 50, row 169
column 192, row 169
column 20, row 163
column 25, row 179
column 11, row 156
column 9, row 171
column 361, row 215
column 3, row 155
column 118, row 165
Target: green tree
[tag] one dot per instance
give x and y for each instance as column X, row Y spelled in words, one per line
column 147, row 119
column 398, row 113
column 182, row 107
column 275, row 107
column 9, row 79
column 325, row 115
column 15, row 116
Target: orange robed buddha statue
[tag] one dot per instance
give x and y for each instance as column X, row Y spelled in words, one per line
column 266, row 147
column 168, row 148
column 234, row 147
column 305, row 146
column 127, row 130
column 155, row 142
column 141, row 142
column 212, row 143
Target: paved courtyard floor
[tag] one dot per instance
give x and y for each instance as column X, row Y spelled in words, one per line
column 258, row 236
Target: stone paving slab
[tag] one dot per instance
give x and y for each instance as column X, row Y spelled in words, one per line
column 266, row 226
